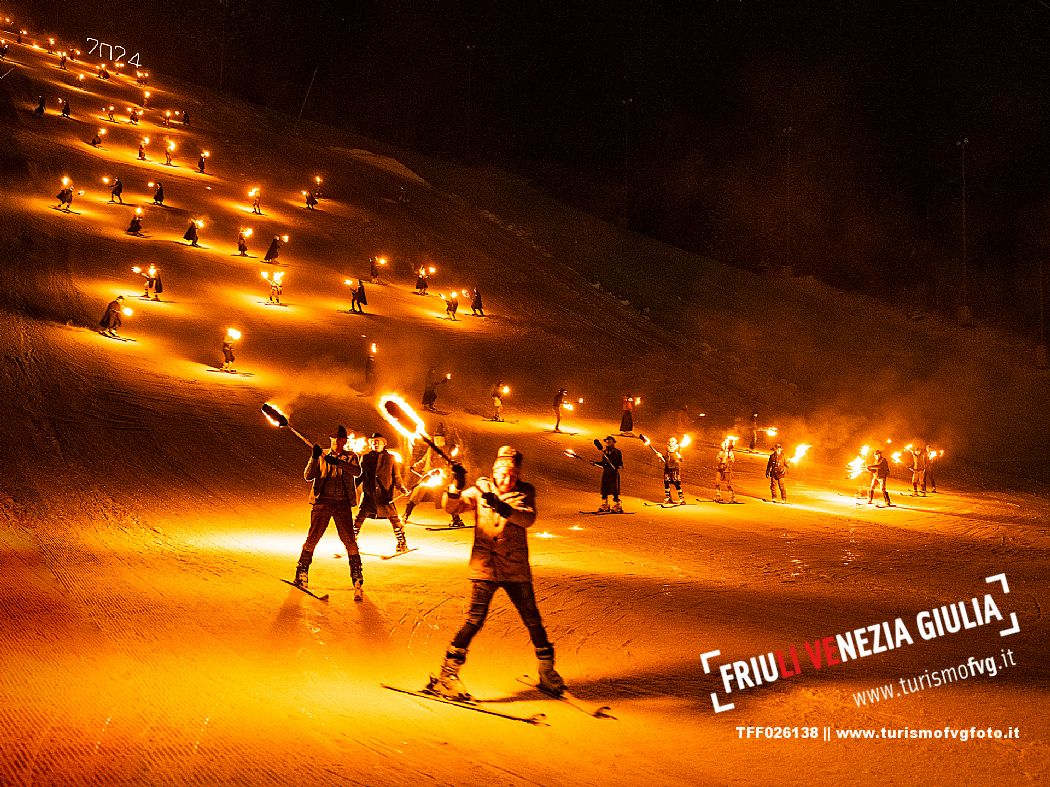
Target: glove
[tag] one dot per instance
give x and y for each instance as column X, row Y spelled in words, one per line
column 332, row 459
column 459, row 475
column 491, row 500
column 597, row 443
column 317, row 451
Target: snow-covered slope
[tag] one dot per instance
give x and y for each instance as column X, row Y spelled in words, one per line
column 149, row 510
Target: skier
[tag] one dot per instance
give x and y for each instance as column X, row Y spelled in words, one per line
column 611, row 461
column 116, row 191
column 504, row 507
column 402, row 195
column 333, row 495
column 380, row 478
column 421, row 280
column 111, row 321
column 627, row 417
column 754, row 432
column 273, row 252
column 276, row 288
column 497, row 401
column 242, row 244
column 96, row 141
column 431, row 493
column 39, row 111
column 191, row 233
column 185, row 118
column 358, row 298
column 918, row 471
column 311, row 200
column 167, row 155
column 153, row 285
column 200, row 161
column 430, row 388
column 142, row 151
column 112, row 119
column 558, row 405
column 135, row 227
column 776, row 469
column 673, row 470
column 228, row 358
column 3, row 50
column 133, row 117
column 373, row 270
column 256, row 200
column 65, row 108
column 931, row 457
column 158, row 195
column 370, row 374
column 880, row 472
column 452, row 305
column 65, row 199
column 476, row 306
column 724, row 471
column 62, row 61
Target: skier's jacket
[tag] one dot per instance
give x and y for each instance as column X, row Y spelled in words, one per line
column 333, row 483
column 726, row 459
column 380, row 480
column 501, row 547
column 777, row 466
column 880, row 469
column 918, row 460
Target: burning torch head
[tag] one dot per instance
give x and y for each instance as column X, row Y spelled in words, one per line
column 274, row 416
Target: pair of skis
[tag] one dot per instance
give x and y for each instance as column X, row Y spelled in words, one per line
column 535, row 719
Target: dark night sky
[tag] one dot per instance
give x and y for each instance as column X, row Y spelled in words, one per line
column 877, row 97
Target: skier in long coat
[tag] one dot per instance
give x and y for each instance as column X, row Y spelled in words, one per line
column 433, row 380
column 135, row 226
column 116, row 191
column 274, row 251
column 158, row 195
column 776, row 469
column 358, row 297
column 504, row 507
column 452, row 305
column 611, row 461
column 65, row 199
column 477, row 308
column 380, row 479
column 111, row 320
column 39, row 111
column 333, row 495
column 558, row 404
column 242, row 244
column 421, row 280
column 191, row 234
column 627, row 417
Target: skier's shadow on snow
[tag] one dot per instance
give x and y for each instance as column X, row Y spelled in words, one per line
column 668, row 682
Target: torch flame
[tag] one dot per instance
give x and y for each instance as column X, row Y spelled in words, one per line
column 127, row 312
column 274, row 415
column 105, row 180
column 373, row 349
column 247, row 232
column 571, row 453
column 136, row 269
column 685, row 441
column 199, row 223
column 138, row 211
column 396, row 411
column 567, row 405
column 65, row 181
column 171, row 146
column 433, row 478
column 455, row 451
column 432, row 269
column 284, row 238
column 772, row 431
column 800, row 451
column 233, row 333
column 896, row 457
column 145, row 140
column 505, row 389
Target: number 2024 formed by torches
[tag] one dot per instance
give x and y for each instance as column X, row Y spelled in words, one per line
column 102, row 46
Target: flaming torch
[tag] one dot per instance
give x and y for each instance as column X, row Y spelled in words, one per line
column 398, row 413
column 126, row 311
column 573, row 455
column 649, row 443
column 859, row 464
column 800, row 451
column 280, row 420
column 233, row 334
column 686, row 441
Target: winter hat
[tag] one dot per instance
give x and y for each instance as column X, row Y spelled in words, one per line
column 377, row 436
column 340, row 432
column 508, row 456
column 611, row 439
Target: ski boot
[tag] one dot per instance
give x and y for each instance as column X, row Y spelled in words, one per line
column 447, row 683
column 667, row 498
column 357, row 576
column 550, row 681
column 302, row 575
column 457, row 521
column 402, row 545
column 604, row 508
column 617, row 508
column 681, row 498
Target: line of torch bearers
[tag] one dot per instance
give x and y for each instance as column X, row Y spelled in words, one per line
column 865, row 455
